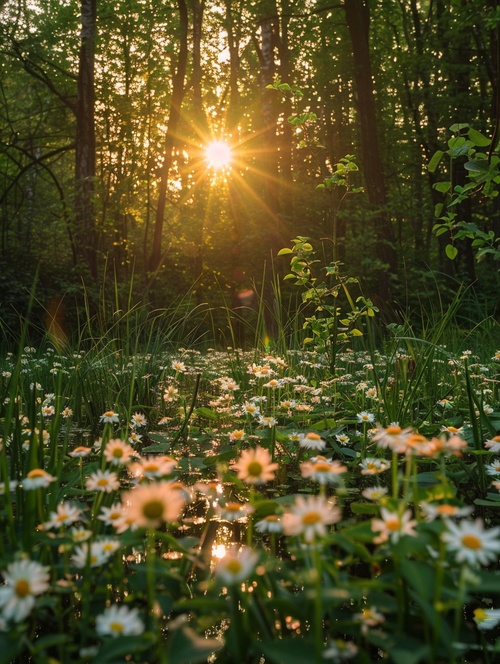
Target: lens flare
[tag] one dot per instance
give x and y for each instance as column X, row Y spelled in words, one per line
column 218, row 155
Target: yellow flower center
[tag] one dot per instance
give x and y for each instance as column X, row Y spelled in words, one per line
column 36, row 472
column 233, row 507
column 313, row 436
column 118, row 452
column 311, row 518
column 102, row 482
column 255, row 468
column 471, row 542
column 480, row 615
column 22, row 588
column 116, row 627
column 109, row 413
column 447, row 510
column 322, row 467
column 153, row 509
column 393, row 430
column 393, row 524
column 233, row 566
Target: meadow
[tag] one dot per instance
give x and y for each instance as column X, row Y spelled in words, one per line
column 328, row 503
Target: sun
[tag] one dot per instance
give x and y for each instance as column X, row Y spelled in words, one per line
column 218, row 155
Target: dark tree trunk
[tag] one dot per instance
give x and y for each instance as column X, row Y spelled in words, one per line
column 233, row 32
column 198, row 8
column 268, row 162
column 358, row 21
column 171, row 138
column 85, row 158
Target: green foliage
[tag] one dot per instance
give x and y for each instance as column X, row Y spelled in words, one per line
column 483, row 173
column 329, row 327
column 340, row 176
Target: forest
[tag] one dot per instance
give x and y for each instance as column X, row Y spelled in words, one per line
column 249, row 331
column 369, row 127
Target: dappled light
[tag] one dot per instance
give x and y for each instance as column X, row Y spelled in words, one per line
column 249, row 332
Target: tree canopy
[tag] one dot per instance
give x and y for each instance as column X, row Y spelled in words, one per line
column 107, row 110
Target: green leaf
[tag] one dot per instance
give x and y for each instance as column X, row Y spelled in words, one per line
column 207, row 413
column 481, row 166
column 187, row 647
column 479, row 139
column 364, row 508
column 51, row 640
column 284, row 251
column 291, row 651
column 487, row 503
column 456, row 142
column 117, row 649
column 421, row 576
column 434, row 162
column 451, row 251
column 458, row 126
column 442, row 187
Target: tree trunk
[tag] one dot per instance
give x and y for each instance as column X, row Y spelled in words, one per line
column 358, row 21
column 85, row 158
column 268, row 162
column 233, row 42
column 171, row 139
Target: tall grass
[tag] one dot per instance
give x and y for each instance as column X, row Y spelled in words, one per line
column 405, row 598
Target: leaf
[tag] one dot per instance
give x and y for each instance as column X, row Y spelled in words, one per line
column 477, row 166
column 117, row 649
column 486, row 503
column 434, row 162
column 426, row 479
column 442, row 187
column 420, row 576
column 451, row 251
column 364, row 508
column 187, row 647
column 284, row 251
column 207, row 413
column 291, row 651
column 458, row 126
column 456, row 142
column 479, row 139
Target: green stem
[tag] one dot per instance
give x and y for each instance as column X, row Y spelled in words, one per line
column 151, row 594
column 318, row 604
column 394, row 469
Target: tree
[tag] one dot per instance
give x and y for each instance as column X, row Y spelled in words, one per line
column 358, row 21
column 85, row 157
column 171, row 138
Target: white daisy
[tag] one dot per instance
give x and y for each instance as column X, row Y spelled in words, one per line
column 236, row 566
column 119, row 620
column 24, row 580
column 309, row 516
column 471, row 543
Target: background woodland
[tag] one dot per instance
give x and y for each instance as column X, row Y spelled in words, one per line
column 106, row 107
